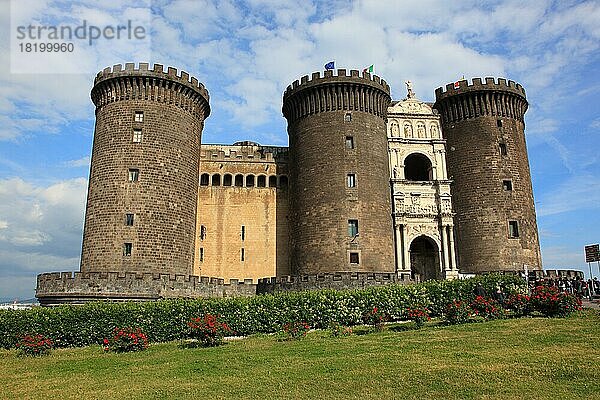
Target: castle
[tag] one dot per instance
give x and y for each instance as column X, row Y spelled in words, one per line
column 370, row 190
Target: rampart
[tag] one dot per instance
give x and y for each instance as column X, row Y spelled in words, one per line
column 337, row 281
column 67, row 287
column 142, row 83
column 328, row 92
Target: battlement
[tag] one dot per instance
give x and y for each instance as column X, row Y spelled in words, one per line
column 336, row 280
column 269, row 154
column 157, row 71
column 477, row 84
column 144, row 83
column 328, row 76
column 342, row 92
column 78, row 287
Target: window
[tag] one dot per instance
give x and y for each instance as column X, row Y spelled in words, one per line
column 239, row 180
column 507, row 185
column 352, row 228
column 202, row 232
column 243, row 234
column 227, row 180
column 137, row 136
column 129, row 219
column 503, row 149
column 513, row 229
column 354, row 259
column 134, row 175
column 348, row 117
column 499, row 123
column 417, row 167
column 204, row 178
column 243, row 255
column 272, row 181
column 127, row 247
column 139, row 116
column 261, row 181
column 216, row 180
column 250, row 181
column 351, row 180
column 349, row 142
column 201, row 255
column 283, row 182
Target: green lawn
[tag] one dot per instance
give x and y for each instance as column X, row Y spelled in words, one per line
column 528, row 358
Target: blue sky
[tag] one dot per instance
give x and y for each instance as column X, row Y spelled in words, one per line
column 247, row 52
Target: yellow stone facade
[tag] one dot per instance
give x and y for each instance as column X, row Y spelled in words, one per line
column 242, row 224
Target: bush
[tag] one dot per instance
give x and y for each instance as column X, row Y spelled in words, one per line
column 294, row 330
column 375, row 318
column 419, row 315
column 208, row 331
column 125, row 340
column 339, row 330
column 166, row 320
column 458, row 312
column 518, row 303
column 487, row 308
column 34, row 345
column 552, row 303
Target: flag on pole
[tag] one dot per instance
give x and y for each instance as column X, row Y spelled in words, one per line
column 369, row 69
column 330, row 65
column 457, row 83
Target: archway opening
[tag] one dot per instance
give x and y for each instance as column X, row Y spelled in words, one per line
column 424, row 259
column 417, row 167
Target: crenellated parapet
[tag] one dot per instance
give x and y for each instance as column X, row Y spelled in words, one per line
column 154, row 84
column 461, row 100
column 242, row 153
column 67, row 287
column 320, row 93
column 337, row 280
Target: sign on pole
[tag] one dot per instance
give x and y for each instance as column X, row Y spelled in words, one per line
column 592, row 253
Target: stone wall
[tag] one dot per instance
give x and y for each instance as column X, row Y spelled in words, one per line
column 242, row 188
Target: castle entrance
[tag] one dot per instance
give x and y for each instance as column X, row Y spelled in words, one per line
column 424, row 259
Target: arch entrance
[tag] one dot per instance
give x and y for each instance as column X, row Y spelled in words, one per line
column 424, row 259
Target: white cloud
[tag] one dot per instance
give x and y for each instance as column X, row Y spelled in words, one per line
column 81, row 162
column 41, row 226
column 580, row 192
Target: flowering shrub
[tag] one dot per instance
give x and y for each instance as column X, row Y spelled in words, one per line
column 552, row 303
column 418, row 314
column 208, row 331
column 34, row 345
column 375, row 318
column 457, row 312
column 126, row 339
column 339, row 330
column 86, row 324
column 295, row 330
column 487, row 308
column 518, row 303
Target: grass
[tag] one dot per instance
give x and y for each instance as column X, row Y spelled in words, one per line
column 528, row 358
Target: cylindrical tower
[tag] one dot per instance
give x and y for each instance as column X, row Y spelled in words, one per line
column 487, row 159
column 143, row 187
column 340, row 191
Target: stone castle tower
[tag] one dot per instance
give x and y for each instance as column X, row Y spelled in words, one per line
column 487, row 159
column 143, row 188
column 340, row 195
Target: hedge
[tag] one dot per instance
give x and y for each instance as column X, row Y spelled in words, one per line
column 165, row 320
